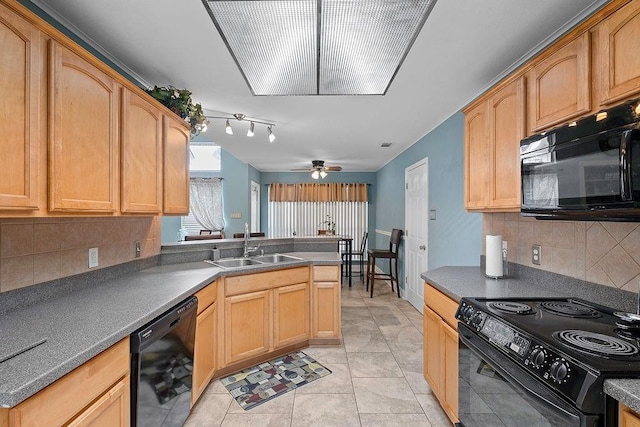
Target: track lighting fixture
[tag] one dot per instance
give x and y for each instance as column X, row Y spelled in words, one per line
column 243, row 118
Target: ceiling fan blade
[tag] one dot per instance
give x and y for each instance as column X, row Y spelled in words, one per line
column 333, row 168
column 302, row 170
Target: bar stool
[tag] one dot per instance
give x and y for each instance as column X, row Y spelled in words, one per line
column 390, row 254
column 359, row 253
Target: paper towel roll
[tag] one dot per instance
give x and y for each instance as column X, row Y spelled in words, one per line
column 494, row 256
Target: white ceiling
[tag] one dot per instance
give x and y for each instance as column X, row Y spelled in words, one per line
column 462, row 48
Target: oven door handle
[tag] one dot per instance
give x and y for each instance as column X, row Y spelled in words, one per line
column 505, row 367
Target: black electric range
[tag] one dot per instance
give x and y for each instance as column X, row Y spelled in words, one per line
column 560, row 348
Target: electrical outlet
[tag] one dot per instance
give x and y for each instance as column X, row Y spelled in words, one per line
column 93, row 257
column 137, row 249
column 536, row 254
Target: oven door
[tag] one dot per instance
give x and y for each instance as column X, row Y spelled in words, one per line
column 495, row 391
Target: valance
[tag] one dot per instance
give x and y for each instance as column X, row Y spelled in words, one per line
column 318, row 192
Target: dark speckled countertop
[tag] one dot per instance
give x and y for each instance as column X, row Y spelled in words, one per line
column 459, row 282
column 78, row 325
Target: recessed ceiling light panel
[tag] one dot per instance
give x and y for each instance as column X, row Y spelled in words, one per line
column 363, row 43
column 273, row 42
column 319, row 47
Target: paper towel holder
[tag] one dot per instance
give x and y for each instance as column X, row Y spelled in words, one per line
column 496, row 260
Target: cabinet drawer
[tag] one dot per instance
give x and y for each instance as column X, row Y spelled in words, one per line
column 62, row 400
column 207, row 296
column 272, row 279
column 326, row 273
column 444, row 306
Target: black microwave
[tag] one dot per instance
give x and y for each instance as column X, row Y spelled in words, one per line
column 586, row 170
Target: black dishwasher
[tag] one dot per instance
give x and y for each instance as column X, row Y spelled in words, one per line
column 162, row 366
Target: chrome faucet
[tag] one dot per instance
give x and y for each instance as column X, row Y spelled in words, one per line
column 248, row 249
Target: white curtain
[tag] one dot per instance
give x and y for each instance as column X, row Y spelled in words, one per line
column 206, row 202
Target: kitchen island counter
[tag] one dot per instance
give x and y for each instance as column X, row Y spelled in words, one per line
column 44, row 341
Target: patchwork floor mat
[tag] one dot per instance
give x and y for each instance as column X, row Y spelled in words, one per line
column 263, row 382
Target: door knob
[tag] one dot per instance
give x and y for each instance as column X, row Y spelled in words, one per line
column 422, row 247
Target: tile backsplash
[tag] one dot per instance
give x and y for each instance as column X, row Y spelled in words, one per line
column 36, row 250
column 607, row 253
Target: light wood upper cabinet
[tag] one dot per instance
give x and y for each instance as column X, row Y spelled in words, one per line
column 559, row 86
column 618, row 60
column 493, row 130
column 476, row 157
column 83, row 142
column 176, row 166
column 506, row 129
column 20, row 85
column 141, row 155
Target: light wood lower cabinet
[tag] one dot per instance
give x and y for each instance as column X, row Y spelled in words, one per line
column 441, row 349
column 265, row 312
column 96, row 393
column 247, row 325
column 627, row 417
column 290, row 314
column 325, row 304
column 206, row 339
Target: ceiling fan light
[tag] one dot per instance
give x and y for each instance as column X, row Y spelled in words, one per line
column 250, row 131
column 272, row 137
column 323, row 174
column 315, row 175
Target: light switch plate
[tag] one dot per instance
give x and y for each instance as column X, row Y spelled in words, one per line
column 236, row 215
column 93, row 257
column 432, row 214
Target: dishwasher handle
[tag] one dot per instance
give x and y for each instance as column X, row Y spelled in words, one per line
column 163, row 324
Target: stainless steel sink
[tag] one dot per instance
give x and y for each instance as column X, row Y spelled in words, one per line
column 234, row 262
column 276, row 258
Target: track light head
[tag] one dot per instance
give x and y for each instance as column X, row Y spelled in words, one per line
column 272, row 137
column 228, row 128
column 250, row 131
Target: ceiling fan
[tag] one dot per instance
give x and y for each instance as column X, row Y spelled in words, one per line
column 318, row 169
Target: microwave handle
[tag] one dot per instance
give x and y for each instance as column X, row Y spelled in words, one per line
column 625, row 165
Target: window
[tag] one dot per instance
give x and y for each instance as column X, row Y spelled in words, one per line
column 204, row 158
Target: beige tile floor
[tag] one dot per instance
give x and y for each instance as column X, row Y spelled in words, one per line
column 376, row 375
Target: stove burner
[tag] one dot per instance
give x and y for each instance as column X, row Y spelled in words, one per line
column 510, row 307
column 569, row 309
column 594, row 343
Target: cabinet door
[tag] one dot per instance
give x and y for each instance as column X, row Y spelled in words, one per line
column 476, row 157
column 326, row 310
column 506, row 129
column 432, row 347
column 204, row 359
column 559, row 86
column 619, row 44
column 290, row 314
column 21, row 65
column 176, row 166
column 627, row 417
column 247, row 325
column 83, row 145
column 141, row 155
column 110, row 410
column 449, row 380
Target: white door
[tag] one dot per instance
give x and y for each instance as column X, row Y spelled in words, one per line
column 416, row 204
column 255, row 207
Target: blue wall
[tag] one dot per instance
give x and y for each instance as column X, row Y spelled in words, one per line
column 236, row 189
column 455, row 237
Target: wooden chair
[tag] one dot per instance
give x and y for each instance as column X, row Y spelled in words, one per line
column 202, row 232
column 391, row 254
column 206, row 235
column 357, row 253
